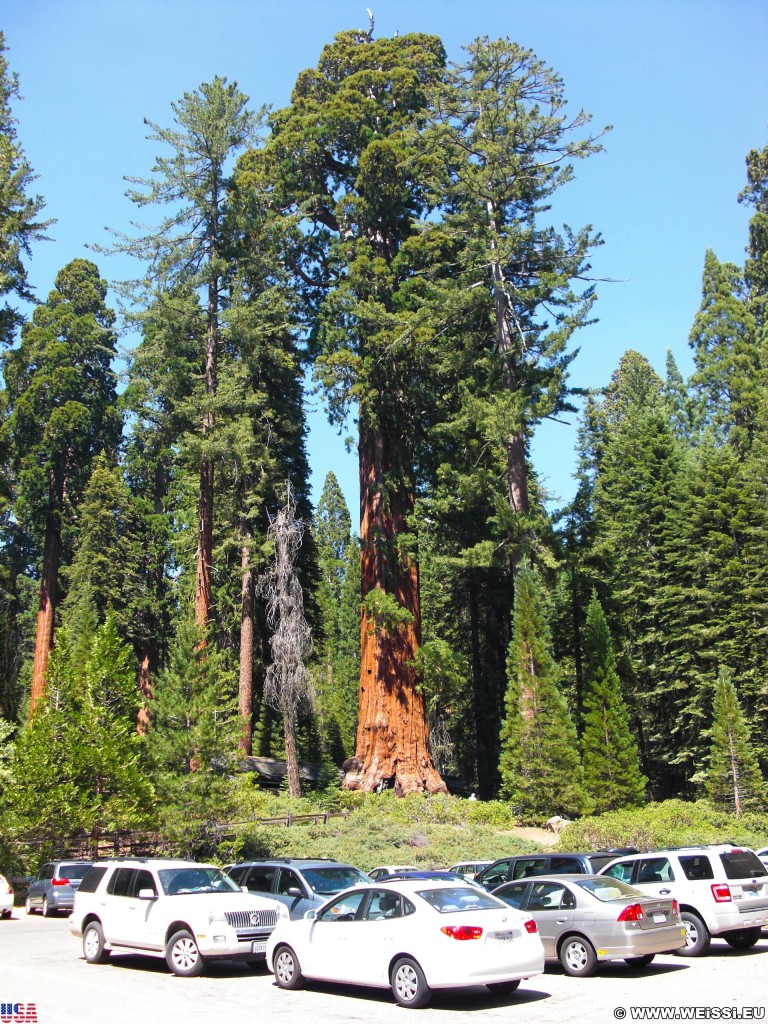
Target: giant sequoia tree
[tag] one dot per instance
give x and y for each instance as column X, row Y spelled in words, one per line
column 349, row 168
column 61, row 395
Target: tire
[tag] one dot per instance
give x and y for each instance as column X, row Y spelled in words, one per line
column 182, row 955
column 697, row 937
column 503, row 988
column 28, row 907
column 93, row 944
column 409, row 986
column 578, row 957
column 744, row 938
column 287, row 968
column 47, row 912
column 640, row 961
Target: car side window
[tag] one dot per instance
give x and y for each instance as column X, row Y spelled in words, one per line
column 525, row 866
column 697, row 867
column 92, row 879
column 655, row 869
column 513, row 894
column 142, row 880
column 46, row 872
column 383, row 905
column 622, row 870
column 120, row 882
column 238, row 875
column 548, row 896
column 496, row 874
column 564, row 866
column 261, row 878
column 288, row 880
column 344, row 908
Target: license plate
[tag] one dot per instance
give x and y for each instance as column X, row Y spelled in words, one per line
column 258, row 947
column 659, row 918
column 504, row 936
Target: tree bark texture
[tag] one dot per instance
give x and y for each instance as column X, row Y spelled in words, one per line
column 146, row 690
column 245, row 689
column 392, row 748
column 46, row 609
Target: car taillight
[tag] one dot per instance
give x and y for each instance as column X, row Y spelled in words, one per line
column 530, row 926
column 9, row 890
column 462, row 931
column 634, row 912
column 722, row 893
column 675, row 907
column 59, row 881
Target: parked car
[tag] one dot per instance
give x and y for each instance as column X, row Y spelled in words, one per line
column 469, row 868
column 54, row 886
column 510, row 869
column 411, row 936
column 389, row 869
column 763, row 855
column 186, row 912
column 431, row 876
column 722, row 890
column 299, row 883
column 586, row 919
column 6, row 897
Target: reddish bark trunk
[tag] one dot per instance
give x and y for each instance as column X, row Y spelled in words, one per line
column 392, row 737
column 46, row 610
column 204, row 545
column 246, row 655
column 146, row 690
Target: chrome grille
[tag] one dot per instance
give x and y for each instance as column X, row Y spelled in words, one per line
column 251, row 921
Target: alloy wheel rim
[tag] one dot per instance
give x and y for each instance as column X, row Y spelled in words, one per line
column 91, row 942
column 285, row 967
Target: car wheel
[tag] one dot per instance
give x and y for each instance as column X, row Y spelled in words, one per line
column 640, row 961
column 697, row 936
column 93, row 944
column 6, row 914
column 182, row 955
column 47, row 912
column 28, row 906
column 744, row 938
column 409, row 986
column 502, row 988
column 287, row 968
column 578, row 957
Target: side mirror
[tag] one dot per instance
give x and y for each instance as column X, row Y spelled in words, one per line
column 294, row 891
column 147, row 894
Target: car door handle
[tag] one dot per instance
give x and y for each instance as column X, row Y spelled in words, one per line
column 562, row 920
column 664, row 892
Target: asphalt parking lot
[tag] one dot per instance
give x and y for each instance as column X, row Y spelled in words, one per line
column 42, row 969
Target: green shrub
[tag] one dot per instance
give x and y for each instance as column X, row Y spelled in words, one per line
column 670, row 823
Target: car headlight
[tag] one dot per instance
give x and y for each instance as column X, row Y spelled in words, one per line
column 282, row 911
column 216, row 916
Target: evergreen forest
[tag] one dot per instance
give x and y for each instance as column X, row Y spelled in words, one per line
column 172, row 604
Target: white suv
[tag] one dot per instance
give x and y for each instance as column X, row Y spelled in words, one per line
column 722, row 890
column 177, row 909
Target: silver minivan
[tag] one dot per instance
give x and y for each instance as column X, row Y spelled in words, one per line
column 54, row 886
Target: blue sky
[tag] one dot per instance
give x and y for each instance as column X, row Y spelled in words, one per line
column 683, row 82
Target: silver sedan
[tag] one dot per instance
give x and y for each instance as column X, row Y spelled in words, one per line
column 583, row 919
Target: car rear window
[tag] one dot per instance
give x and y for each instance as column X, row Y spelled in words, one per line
column 606, row 889
column 454, row 901
column 73, row 870
column 742, row 864
column 91, row 879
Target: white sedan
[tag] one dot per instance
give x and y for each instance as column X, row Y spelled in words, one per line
column 411, row 936
column 6, row 897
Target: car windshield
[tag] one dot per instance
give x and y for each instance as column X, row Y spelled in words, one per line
column 328, row 881
column 181, row 881
column 450, row 900
column 607, row 889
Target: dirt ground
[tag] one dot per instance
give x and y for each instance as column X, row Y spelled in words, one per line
column 536, row 835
